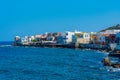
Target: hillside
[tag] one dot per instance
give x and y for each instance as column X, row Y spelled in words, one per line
column 111, row 28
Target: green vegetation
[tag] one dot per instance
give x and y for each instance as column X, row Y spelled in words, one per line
column 111, row 28
column 34, row 40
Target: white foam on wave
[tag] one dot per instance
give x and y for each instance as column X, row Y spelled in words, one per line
column 110, row 69
column 5, row 45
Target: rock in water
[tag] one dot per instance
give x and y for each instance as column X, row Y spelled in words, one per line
column 106, row 61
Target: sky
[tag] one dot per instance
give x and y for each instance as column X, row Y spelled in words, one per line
column 30, row 17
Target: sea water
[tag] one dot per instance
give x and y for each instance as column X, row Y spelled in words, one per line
column 30, row 63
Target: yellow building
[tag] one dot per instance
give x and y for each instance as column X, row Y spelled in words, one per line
column 83, row 38
column 94, row 38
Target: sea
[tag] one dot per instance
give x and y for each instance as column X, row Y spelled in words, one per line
column 35, row 63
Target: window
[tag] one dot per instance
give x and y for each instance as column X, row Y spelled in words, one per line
column 81, row 35
column 66, row 33
column 86, row 35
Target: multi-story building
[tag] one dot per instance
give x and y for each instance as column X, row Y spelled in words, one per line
column 82, row 38
column 110, row 31
column 94, row 38
column 66, row 38
column 17, row 40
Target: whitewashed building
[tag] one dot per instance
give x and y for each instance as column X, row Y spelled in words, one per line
column 18, row 40
column 66, row 38
column 69, row 37
column 25, row 41
column 110, row 32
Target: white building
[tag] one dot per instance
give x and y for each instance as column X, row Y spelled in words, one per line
column 32, row 37
column 66, row 38
column 18, row 40
column 69, row 37
column 110, row 32
column 36, row 36
column 27, row 40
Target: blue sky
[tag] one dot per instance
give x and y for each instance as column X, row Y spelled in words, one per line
column 29, row 17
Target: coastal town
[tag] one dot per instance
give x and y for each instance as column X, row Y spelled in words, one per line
column 60, row 40
column 108, row 39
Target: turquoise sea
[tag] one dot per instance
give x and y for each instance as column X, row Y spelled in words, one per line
column 30, row 63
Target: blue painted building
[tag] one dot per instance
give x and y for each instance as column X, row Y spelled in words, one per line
column 118, row 41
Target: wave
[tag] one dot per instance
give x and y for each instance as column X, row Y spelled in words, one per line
column 111, row 69
column 5, row 45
